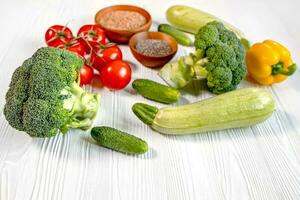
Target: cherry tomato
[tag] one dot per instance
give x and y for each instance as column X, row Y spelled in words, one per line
column 57, row 35
column 77, row 48
column 104, row 55
column 116, row 75
column 73, row 46
column 86, row 75
column 90, row 36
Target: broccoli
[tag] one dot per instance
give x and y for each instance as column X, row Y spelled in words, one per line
column 44, row 96
column 219, row 57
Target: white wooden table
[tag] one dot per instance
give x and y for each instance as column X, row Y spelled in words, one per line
column 260, row 162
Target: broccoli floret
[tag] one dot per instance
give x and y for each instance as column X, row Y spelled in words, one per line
column 219, row 79
column 219, row 57
column 44, row 96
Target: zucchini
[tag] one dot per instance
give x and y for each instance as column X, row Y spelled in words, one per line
column 240, row 108
column 156, row 91
column 179, row 36
column 191, row 19
column 119, row 141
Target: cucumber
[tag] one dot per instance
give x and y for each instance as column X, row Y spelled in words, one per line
column 179, row 36
column 191, row 19
column 156, row 91
column 119, row 141
column 240, row 108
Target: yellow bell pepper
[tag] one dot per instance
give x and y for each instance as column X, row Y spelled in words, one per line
column 269, row 62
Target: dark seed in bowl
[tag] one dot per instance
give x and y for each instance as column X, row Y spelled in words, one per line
column 153, row 47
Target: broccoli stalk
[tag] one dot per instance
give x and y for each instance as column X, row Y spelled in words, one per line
column 187, row 68
column 219, row 58
column 44, row 96
column 82, row 107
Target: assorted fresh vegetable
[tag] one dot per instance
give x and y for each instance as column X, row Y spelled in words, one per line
column 269, row 62
column 219, row 57
column 90, row 45
column 119, row 141
column 45, row 96
column 156, row 91
column 240, row 108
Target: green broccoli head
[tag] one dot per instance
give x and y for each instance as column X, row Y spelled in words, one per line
column 219, row 57
column 17, row 94
column 223, row 49
column 44, row 97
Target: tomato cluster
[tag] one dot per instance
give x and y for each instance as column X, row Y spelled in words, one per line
column 90, row 44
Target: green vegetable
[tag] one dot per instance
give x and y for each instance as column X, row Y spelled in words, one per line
column 219, row 57
column 240, row 108
column 117, row 140
column 179, row 36
column 155, row 91
column 44, row 97
column 190, row 19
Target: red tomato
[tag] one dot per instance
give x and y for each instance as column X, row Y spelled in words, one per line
column 76, row 48
column 57, row 35
column 73, row 46
column 105, row 55
column 90, row 36
column 116, row 75
column 86, row 75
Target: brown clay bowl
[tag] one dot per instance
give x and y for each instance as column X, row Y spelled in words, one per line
column 123, row 36
column 152, row 61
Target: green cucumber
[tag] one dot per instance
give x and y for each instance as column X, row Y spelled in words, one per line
column 179, row 36
column 239, row 108
column 119, row 141
column 156, row 91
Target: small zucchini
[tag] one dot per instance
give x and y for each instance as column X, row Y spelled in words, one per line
column 156, row 91
column 179, row 36
column 119, row 141
column 240, row 108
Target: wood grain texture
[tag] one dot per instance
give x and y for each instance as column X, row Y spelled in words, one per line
column 259, row 162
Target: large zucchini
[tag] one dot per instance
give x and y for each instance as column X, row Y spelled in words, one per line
column 191, row 19
column 240, row 108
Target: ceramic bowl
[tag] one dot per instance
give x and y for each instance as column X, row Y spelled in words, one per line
column 153, row 61
column 123, row 36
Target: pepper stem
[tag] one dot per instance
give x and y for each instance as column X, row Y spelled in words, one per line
column 278, row 69
column 144, row 112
